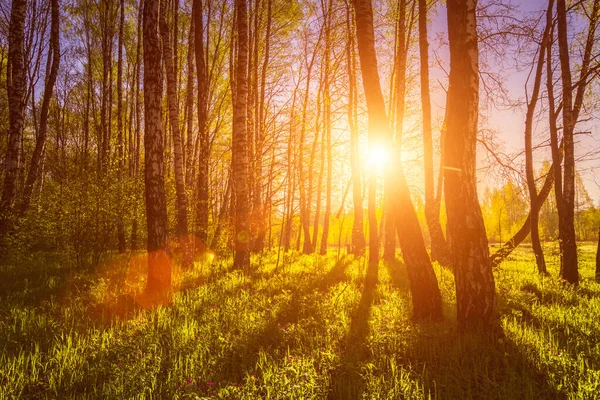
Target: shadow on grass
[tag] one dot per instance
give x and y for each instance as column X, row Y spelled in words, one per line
column 336, row 274
column 570, row 337
column 549, row 296
column 587, row 291
column 449, row 365
column 346, row 381
column 126, row 279
column 491, row 367
column 242, row 358
column 398, row 276
column 31, row 285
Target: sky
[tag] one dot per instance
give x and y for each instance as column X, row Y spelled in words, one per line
column 509, row 123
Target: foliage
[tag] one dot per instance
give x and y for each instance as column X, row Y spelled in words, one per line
column 504, row 210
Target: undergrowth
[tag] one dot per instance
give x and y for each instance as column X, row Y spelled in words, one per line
column 304, row 327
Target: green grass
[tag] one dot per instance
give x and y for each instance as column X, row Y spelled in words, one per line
column 308, row 329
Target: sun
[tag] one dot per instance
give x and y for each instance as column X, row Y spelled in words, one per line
column 377, row 157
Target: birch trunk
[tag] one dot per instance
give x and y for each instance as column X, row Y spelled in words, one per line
column 358, row 235
column 158, row 286
column 533, row 195
column 203, row 135
column 475, row 290
column 439, row 249
column 120, row 133
column 240, row 140
column 15, row 85
column 189, row 146
column 181, row 196
column 568, row 267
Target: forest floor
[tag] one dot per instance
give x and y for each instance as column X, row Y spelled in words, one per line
column 306, row 329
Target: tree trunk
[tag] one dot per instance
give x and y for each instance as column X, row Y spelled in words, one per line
column 327, row 130
column 358, row 236
column 259, row 207
column 222, row 216
column 427, row 302
column 15, row 85
column 533, row 195
column 598, row 259
column 475, row 290
column 181, row 196
column 312, row 163
column 328, row 193
column 138, row 122
column 35, row 168
column 317, row 132
column 363, row 12
column 439, row 249
column 175, row 27
column 506, row 249
column 120, row 140
column 189, row 147
column 239, row 140
column 290, row 175
column 105, row 102
column 307, row 247
column 568, row 268
column 389, row 246
column 268, row 203
column 556, row 153
column 254, row 13
column 158, row 286
column 203, row 135
column 88, row 97
column 566, row 201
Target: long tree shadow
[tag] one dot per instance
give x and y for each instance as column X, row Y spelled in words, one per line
column 31, row 285
column 37, row 295
column 336, row 274
column 491, row 367
column 589, row 292
column 570, row 338
column 398, row 276
column 346, row 381
column 549, row 296
column 232, row 364
column 242, row 358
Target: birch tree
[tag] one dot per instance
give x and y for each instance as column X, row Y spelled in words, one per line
column 475, row 290
column 158, row 286
column 15, row 85
column 240, row 140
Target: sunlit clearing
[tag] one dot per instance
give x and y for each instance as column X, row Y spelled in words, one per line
column 378, row 157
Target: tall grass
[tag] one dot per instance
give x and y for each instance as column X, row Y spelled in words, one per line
column 307, row 327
